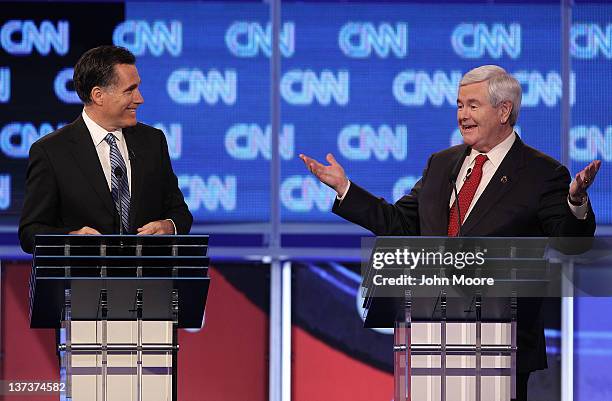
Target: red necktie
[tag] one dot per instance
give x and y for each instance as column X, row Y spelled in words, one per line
column 468, row 190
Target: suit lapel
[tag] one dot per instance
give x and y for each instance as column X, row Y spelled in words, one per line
column 136, row 174
column 442, row 227
column 87, row 159
column 502, row 181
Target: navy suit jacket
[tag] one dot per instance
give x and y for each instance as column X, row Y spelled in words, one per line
column 66, row 188
column 530, row 201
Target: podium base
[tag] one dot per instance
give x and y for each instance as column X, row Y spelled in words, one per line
column 453, row 361
column 117, row 360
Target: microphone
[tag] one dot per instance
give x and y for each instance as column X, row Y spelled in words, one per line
column 131, row 154
column 467, row 176
column 458, row 164
column 119, row 175
column 453, row 180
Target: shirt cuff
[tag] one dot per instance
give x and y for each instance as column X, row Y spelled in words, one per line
column 580, row 212
column 341, row 198
column 173, row 225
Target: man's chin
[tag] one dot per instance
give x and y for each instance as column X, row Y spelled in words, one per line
column 131, row 122
column 468, row 140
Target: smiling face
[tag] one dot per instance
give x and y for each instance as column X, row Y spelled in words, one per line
column 119, row 101
column 482, row 125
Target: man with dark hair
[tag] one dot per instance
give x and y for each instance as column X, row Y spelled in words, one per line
column 105, row 172
column 96, row 67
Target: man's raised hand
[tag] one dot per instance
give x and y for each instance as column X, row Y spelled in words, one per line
column 583, row 180
column 332, row 175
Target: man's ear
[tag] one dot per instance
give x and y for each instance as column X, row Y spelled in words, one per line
column 97, row 95
column 505, row 108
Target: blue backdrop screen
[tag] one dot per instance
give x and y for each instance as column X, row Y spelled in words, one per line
column 375, row 85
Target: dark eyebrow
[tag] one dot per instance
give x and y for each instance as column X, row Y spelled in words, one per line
column 131, row 88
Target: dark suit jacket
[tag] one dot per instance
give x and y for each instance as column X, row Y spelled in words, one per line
column 66, row 188
column 531, row 201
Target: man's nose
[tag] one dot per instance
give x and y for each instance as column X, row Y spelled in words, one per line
column 138, row 97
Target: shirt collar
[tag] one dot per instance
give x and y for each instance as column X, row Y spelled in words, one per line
column 97, row 132
column 497, row 154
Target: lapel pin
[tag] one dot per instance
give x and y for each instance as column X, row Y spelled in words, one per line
column 504, row 179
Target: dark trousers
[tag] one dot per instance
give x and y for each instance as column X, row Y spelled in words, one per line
column 521, row 386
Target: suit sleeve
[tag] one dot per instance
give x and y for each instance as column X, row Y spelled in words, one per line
column 174, row 206
column 554, row 213
column 40, row 213
column 377, row 215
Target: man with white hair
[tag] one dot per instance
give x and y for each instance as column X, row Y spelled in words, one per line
column 505, row 188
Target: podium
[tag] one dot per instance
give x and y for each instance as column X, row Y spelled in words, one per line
column 455, row 343
column 118, row 302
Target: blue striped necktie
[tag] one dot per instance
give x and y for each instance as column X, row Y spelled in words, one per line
column 120, row 189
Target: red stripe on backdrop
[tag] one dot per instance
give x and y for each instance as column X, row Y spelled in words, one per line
column 321, row 373
column 28, row 355
column 226, row 361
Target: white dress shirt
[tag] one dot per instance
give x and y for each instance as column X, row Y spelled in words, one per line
column 103, row 148
column 496, row 156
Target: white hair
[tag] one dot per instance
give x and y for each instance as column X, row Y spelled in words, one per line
column 502, row 87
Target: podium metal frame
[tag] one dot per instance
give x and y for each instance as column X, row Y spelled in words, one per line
column 404, row 348
column 400, row 313
column 118, row 278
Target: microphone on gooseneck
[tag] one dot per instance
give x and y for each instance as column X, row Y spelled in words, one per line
column 467, row 176
column 119, row 174
column 453, row 180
